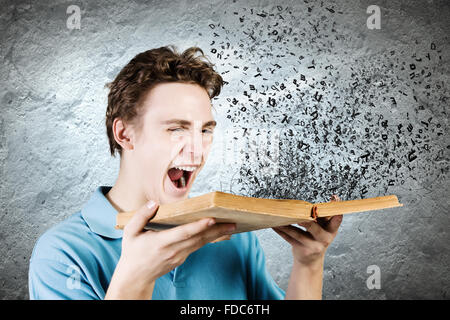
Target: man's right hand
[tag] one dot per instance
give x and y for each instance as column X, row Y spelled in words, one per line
column 147, row 255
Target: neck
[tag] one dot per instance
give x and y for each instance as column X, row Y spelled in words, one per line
column 126, row 194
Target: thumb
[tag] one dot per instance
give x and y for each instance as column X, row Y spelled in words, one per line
column 140, row 218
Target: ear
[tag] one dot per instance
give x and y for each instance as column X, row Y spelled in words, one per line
column 123, row 134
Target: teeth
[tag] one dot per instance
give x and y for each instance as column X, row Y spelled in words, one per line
column 186, row 168
column 183, row 182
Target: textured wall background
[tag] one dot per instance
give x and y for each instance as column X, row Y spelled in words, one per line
column 333, row 106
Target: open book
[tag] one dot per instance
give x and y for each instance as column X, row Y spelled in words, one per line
column 253, row 213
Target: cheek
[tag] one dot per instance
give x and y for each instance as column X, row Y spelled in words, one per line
column 148, row 162
column 154, row 143
column 170, row 146
column 207, row 144
column 206, row 147
column 149, row 153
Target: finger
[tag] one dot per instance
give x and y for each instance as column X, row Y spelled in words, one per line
column 186, row 231
column 222, row 238
column 317, row 232
column 199, row 240
column 286, row 237
column 218, row 231
column 189, row 230
column 335, row 197
column 333, row 225
column 297, row 234
column 312, row 227
column 140, row 218
column 323, row 221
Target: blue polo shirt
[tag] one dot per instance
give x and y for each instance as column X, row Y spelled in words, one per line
column 76, row 259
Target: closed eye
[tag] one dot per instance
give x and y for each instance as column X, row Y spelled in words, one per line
column 176, row 129
column 208, row 131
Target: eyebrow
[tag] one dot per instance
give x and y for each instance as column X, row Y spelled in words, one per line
column 211, row 123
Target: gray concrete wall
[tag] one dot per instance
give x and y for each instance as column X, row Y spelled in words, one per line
column 348, row 110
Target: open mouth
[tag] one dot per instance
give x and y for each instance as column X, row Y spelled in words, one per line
column 181, row 176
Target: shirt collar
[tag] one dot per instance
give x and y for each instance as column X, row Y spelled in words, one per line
column 100, row 215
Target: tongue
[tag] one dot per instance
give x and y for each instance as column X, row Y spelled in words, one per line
column 175, row 174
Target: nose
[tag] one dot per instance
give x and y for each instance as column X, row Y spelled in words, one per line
column 193, row 149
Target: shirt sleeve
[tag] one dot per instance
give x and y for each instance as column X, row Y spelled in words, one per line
column 53, row 280
column 262, row 286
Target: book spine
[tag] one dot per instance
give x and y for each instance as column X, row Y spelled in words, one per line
column 314, row 212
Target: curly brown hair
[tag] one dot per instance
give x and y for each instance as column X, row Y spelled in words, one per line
column 148, row 69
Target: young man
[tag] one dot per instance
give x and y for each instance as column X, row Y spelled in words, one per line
column 159, row 120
